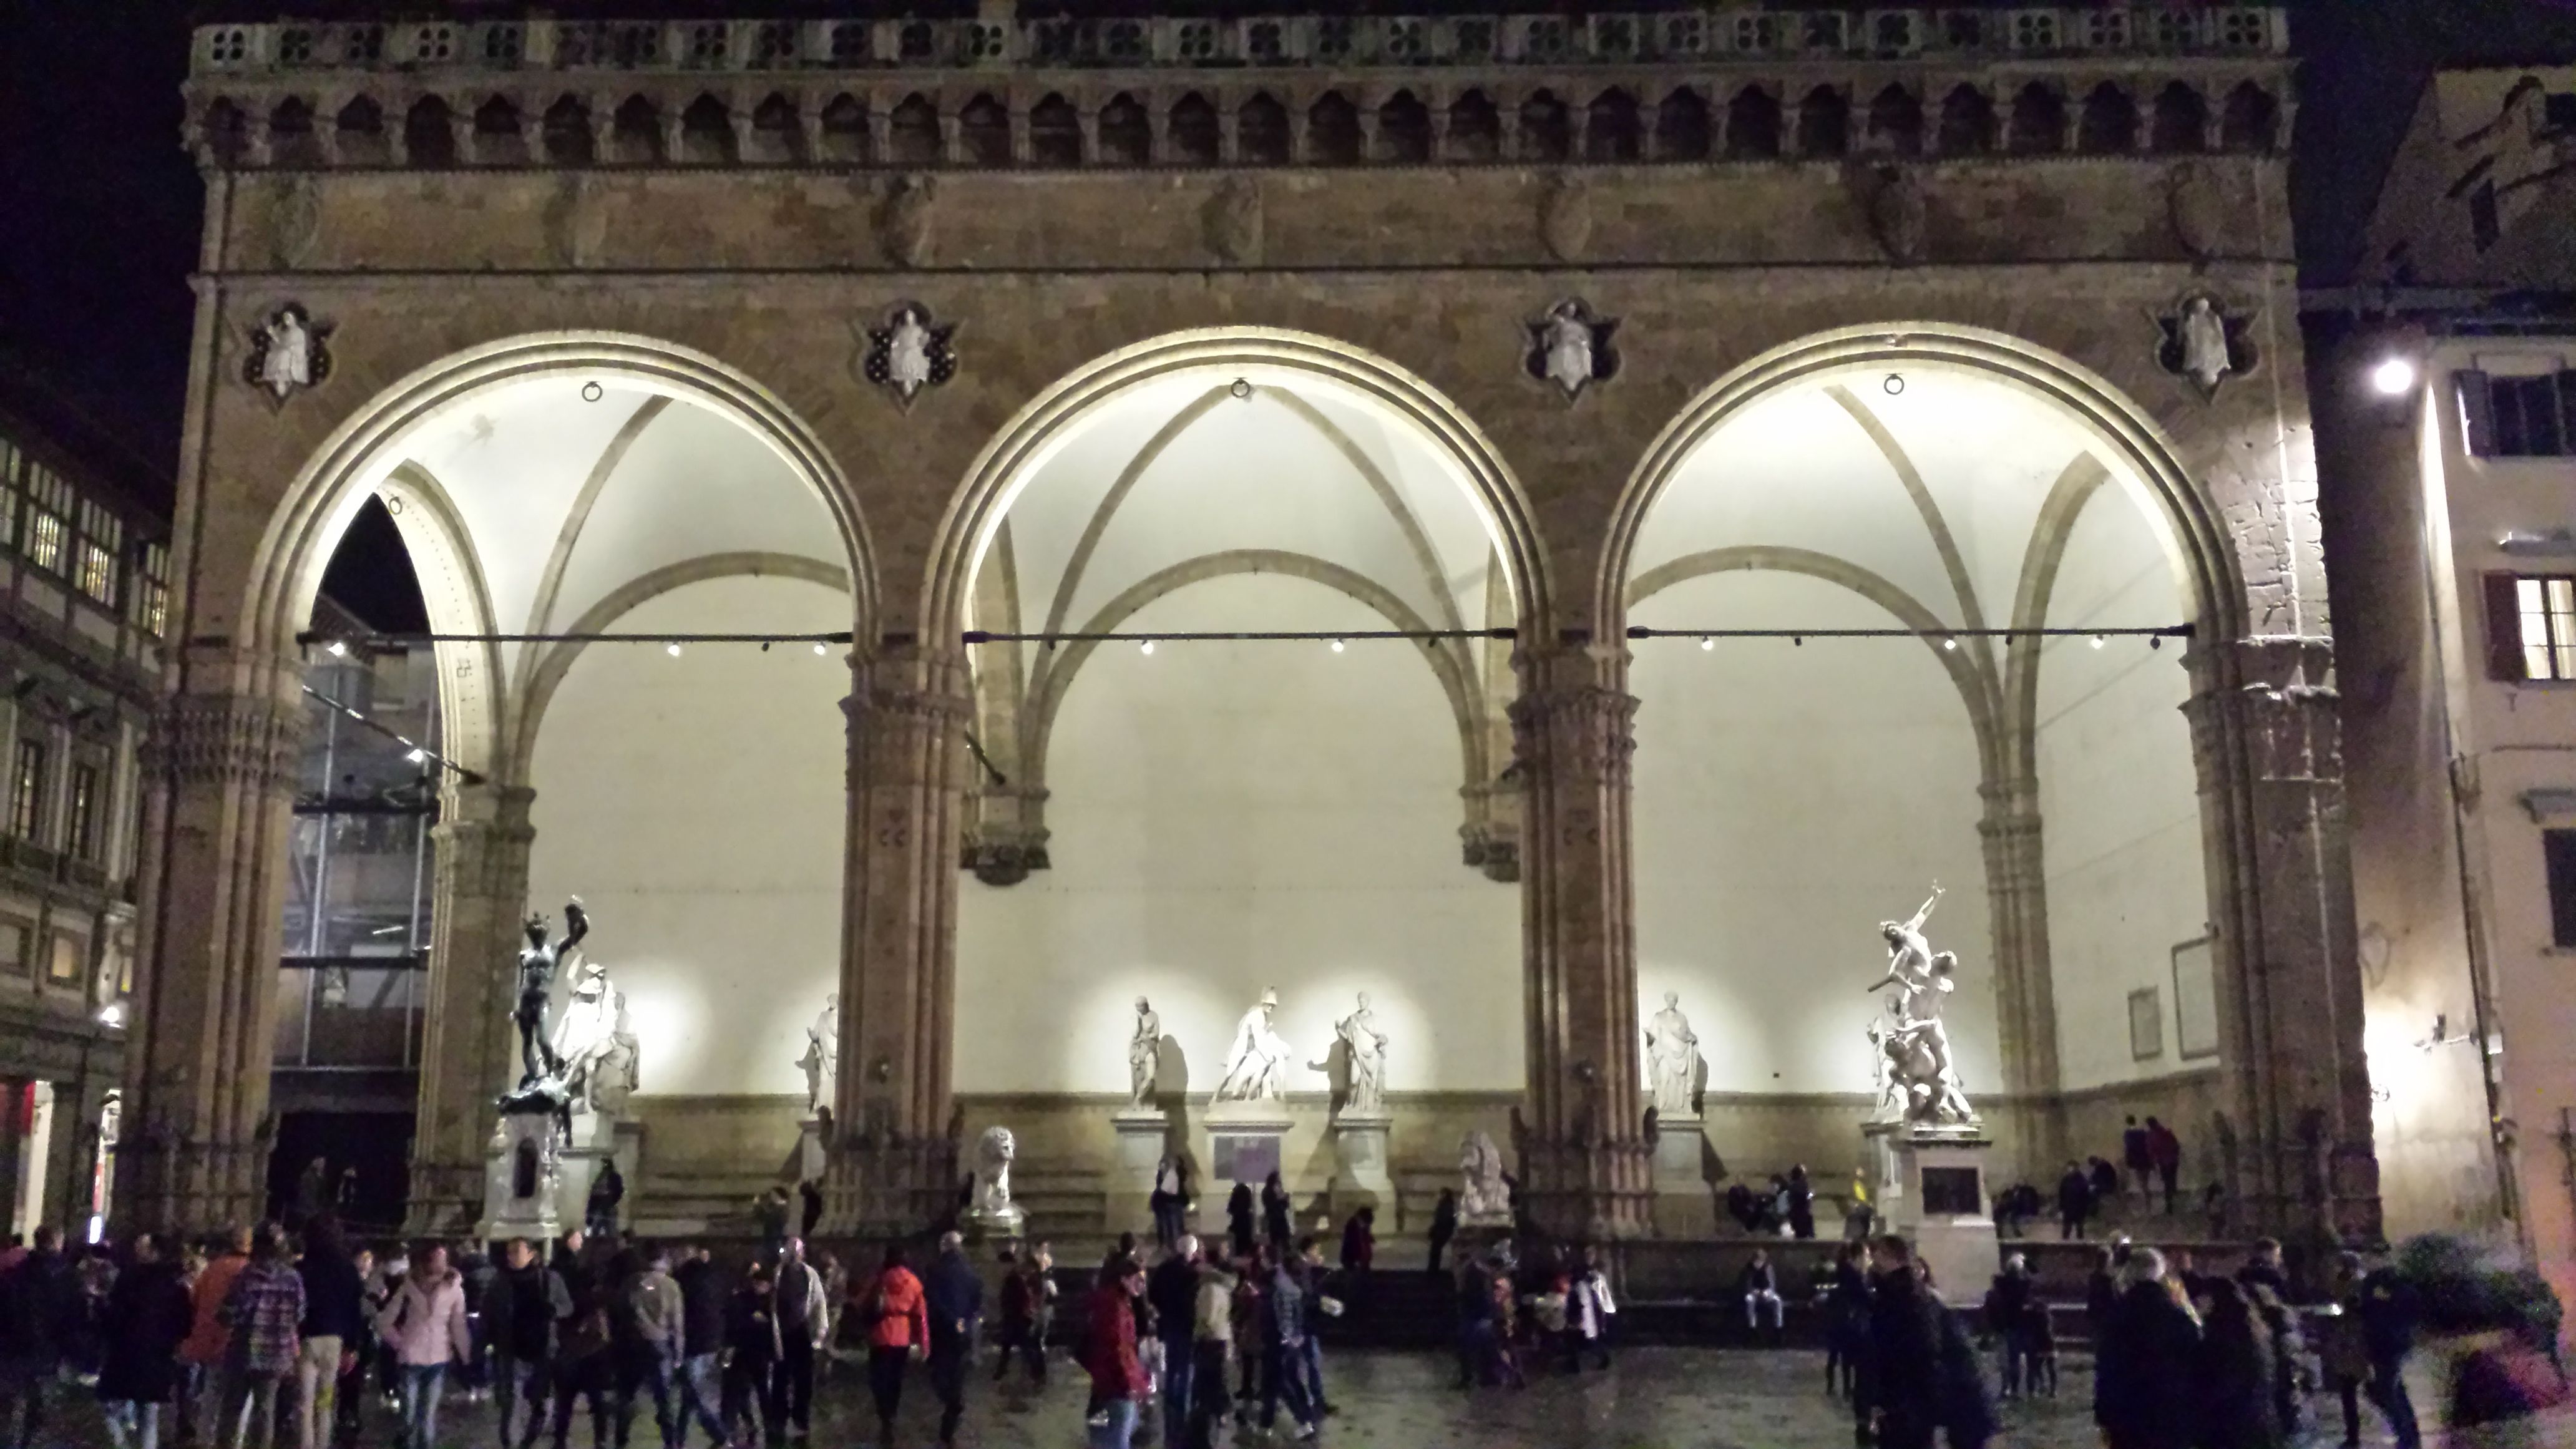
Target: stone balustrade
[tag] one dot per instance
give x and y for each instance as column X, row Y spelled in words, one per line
column 1605, row 89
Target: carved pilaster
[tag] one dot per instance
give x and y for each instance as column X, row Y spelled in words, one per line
column 2268, row 744
column 2017, row 911
column 1584, row 1160
column 894, row 1152
column 480, row 851
column 220, row 776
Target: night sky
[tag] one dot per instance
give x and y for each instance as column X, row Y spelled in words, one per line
column 99, row 208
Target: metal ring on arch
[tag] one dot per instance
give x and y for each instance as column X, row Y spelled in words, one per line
column 289, row 564
column 985, row 496
column 2217, row 592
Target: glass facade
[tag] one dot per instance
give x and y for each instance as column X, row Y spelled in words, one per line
column 352, row 979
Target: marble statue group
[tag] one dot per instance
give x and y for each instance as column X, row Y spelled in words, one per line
column 590, row 1061
column 1918, row 1080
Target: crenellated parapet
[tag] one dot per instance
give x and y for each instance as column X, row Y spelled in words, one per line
column 1670, row 87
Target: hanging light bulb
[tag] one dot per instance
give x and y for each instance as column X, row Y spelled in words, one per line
column 819, row 649
column 1337, row 646
column 2100, row 639
column 1706, row 642
column 339, row 648
column 1145, row 648
column 672, row 649
column 1950, row 644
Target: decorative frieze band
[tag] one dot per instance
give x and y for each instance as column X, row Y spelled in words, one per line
column 227, row 740
column 1581, row 732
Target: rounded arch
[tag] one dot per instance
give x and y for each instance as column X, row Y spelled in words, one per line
column 287, row 570
column 2205, row 562
column 1011, row 458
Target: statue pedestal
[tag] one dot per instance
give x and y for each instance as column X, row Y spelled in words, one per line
column 1243, row 1146
column 810, row 1154
column 1685, row 1205
column 596, row 1139
column 1933, row 1192
column 522, row 1179
column 1359, row 1147
column 997, row 1226
column 1144, row 1135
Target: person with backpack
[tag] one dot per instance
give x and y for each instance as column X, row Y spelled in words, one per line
column 800, row 1317
column 147, row 1317
column 425, row 1327
column 898, row 1328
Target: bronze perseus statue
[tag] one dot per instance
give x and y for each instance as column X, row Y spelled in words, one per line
column 537, row 1059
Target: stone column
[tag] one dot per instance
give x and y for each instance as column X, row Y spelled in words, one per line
column 2270, row 753
column 221, row 775
column 468, row 1045
column 893, row 1156
column 1585, row 1166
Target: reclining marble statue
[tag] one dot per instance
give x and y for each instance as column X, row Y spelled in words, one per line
column 1922, row 1082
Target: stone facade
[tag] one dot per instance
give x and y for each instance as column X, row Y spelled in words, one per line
column 726, row 209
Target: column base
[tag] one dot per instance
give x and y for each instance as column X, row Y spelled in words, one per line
column 1589, row 1192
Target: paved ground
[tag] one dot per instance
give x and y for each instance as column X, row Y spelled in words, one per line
column 1656, row 1398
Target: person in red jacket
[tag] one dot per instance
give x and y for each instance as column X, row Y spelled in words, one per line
column 1117, row 1375
column 897, row 1324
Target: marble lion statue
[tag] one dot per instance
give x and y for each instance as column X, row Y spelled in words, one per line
column 994, row 1153
column 1481, row 1163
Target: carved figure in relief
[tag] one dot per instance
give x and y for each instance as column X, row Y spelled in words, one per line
column 2204, row 343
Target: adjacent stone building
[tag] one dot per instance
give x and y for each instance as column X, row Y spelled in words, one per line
column 1710, row 475
column 84, row 612
column 2450, row 409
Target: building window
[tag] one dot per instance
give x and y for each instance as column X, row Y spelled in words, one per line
column 2531, row 627
column 2518, row 417
column 13, row 483
column 27, row 806
column 151, row 600
column 2484, row 227
column 49, row 508
column 2558, row 848
column 100, row 539
column 84, row 821
column 63, row 963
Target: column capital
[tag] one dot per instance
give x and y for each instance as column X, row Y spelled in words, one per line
column 227, row 740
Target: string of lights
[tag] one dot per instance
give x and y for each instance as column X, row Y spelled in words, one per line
column 414, row 751
column 674, row 644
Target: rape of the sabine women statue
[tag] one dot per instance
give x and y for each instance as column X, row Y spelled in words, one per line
column 1922, row 1083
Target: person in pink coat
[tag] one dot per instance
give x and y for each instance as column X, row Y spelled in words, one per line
column 424, row 1326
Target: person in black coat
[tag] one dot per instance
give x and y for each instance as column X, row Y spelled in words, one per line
column 1274, row 1214
column 2147, row 1363
column 520, row 1307
column 953, row 1298
column 2074, row 1202
column 1239, row 1220
column 148, row 1315
column 1802, row 1203
column 1909, row 1390
column 1444, row 1226
column 2234, row 1379
column 703, row 1289
column 39, row 1300
column 1967, row 1412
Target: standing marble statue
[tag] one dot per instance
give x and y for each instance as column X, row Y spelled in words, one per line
column 537, row 966
column 2204, row 343
column 1144, row 1055
column 1483, row 1197
column 1256, row 1066
column 1915, row 1047
column 822, row 1059
column 1358, row 1031
column 1672, row 1053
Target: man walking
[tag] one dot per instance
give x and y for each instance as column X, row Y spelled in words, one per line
column 520, row 1310
column 264, row 1310
column 333, row 1323
column 2136, row 1158
column 801, row 1315
column 954, row 1299
column 1173, row 1290
column 2164, row 1149
column 37, row 1301
column 653, row 1302
column 702, row 1324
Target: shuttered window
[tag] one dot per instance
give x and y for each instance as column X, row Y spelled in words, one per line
column 2531, row 626
column 2517, row 417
